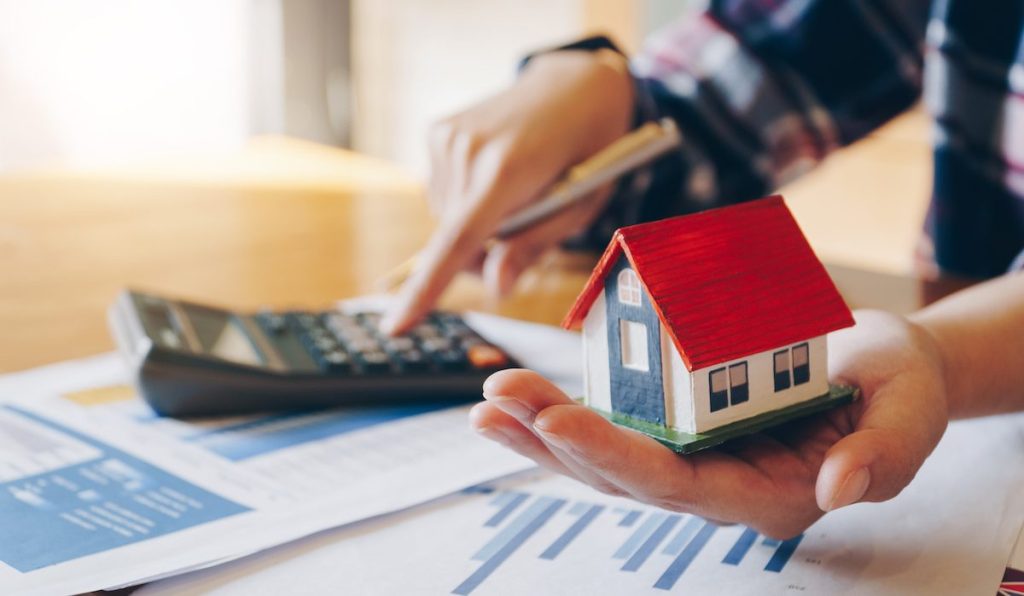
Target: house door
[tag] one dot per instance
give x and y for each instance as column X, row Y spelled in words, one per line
column 634, row 347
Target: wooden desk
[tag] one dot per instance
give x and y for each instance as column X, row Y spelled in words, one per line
column 283, row 223
column 241, row 237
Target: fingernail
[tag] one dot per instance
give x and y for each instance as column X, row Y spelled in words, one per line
column 514, row 408
column 387, row 324
column 852, row 489
column 556, row 440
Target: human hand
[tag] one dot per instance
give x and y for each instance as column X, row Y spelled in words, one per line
column 500, row 155
column 778, row 482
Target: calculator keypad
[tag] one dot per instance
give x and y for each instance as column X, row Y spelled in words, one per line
column 351, row 344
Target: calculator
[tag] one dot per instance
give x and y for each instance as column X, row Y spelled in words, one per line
column 191, row 359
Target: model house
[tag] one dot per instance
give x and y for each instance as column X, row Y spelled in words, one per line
column 699, row 321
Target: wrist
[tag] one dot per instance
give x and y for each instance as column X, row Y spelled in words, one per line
column 597, row 91
column 948, row 365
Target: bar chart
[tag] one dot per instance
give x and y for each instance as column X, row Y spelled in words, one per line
column 649, row 537
column 242, row 438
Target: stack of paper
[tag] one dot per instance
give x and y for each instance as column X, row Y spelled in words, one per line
column 948, row 533
column 96, row 492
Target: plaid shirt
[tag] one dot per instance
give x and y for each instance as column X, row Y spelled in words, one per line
column 765, row 89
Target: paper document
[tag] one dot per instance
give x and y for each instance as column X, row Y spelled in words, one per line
column 948, row 533
column 97, row 492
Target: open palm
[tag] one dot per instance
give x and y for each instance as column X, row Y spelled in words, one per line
column 778, row 482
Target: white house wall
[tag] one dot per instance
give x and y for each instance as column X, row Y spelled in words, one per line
column 678, row 405
column 596, row 380
column 761, row 377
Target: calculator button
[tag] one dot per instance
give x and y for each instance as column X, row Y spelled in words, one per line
column 399, row 344
column 363, row 345
column 438, row 344
column 338, row 322
column 469, row 342
column 484, row 356
column 425, row 331
column 458, row 329
column 325, row 343
column 369, row 319
column 414, row 361
column 450, row 360
column 375, row 361
column 336, row 361
column 306, row 320
column 273, row 323
column 353, row 334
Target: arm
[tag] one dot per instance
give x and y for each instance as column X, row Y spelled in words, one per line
column 980, row 334
column 761, row 90
column 765, row 90
column 959, row 357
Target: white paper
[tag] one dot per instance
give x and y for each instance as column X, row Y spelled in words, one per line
column 948, row 533
column 103, row 495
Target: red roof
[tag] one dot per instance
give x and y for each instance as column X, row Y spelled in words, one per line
column 726, row 283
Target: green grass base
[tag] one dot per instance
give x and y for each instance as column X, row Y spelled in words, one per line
column 682, row 442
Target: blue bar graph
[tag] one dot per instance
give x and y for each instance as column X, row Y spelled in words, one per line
column 266, row 434
column 675, row 546
column 527, row 529
column 738, row 550
column 508, row 503
column 679, row 565
column 629, row 519
column 520, row 516
column 574, row 530
column 510, row 531
column 639, row 535
column 782, row 554
column 652, row 542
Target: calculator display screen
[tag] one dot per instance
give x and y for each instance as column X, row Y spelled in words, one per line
column 222, row 335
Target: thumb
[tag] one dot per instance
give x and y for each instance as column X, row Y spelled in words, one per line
column 879, row 459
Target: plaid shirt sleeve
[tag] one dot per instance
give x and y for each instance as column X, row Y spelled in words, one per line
column 762, row 91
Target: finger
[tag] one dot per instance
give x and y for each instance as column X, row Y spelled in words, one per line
column 879, row 459
column 532, row 392
column 461, row 235
column 449, row 250
column 508, row 258
column 494, row 424
column 439, row 140
column 523, row 393
column 631, row 461
column 710, row 484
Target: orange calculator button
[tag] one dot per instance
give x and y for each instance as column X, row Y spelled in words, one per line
column 486, row 357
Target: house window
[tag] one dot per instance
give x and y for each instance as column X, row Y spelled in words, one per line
column 801, row 364
column 719, row 389
column 729, row 386
column 629, row 287
column 633, row 342
column 739, row 389
column 797, row 361
column 782, row 381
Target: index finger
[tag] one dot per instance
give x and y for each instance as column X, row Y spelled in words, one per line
column 710, row 484
column 449, row 250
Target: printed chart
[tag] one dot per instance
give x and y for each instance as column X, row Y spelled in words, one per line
column 239, row 439
column 679, row 538
column 64, row 495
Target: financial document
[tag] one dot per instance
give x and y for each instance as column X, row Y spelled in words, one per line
column 949, row 533
column 97, row 492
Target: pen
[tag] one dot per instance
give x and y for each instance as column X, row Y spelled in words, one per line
column 622, row 156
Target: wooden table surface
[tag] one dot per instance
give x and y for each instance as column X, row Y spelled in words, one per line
column 282, row 224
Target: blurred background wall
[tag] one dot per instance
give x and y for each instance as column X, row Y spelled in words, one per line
column 90, row 82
